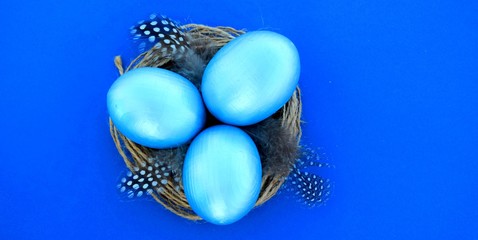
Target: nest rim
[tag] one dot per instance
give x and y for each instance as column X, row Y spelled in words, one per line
column 135, row 155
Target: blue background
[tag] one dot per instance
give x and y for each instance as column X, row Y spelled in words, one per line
column 390, row 97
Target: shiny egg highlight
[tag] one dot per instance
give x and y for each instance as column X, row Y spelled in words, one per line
column 222, row 174
column 251, row 77
column 155, row 107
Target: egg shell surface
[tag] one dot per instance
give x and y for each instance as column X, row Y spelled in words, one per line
column 251, row 77
column 222, row 174
column 155, row 107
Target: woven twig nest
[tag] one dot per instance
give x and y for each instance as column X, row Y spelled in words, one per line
column 135, row 155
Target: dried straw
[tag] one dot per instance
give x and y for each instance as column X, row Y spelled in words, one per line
column 135, row 155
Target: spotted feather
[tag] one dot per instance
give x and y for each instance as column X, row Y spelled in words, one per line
column 310, row 188
column 162, row 33
column 148, row 179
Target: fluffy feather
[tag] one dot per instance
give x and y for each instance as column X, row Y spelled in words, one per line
column 189, row 57
column 172, row 157
column 277, row 146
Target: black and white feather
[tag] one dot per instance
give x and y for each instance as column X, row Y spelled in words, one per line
column 148, row 179
column 310, row 188
column 161, row 33
column 168, row 39
column 280, row 155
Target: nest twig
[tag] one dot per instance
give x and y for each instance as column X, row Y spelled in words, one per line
column 135, row 155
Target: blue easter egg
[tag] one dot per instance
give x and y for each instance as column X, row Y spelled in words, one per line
column 251, row 77
column 222, row 174
column 155, row 107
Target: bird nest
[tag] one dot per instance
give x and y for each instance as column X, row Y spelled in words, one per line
column 171, row 195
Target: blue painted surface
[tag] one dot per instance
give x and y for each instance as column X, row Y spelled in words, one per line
column 390, row 96
column 222, row 174
column 251, row 78
column 139, row 100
